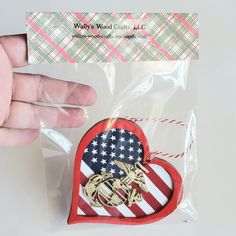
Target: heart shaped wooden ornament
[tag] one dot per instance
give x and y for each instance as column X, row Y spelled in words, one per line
column 116, row 181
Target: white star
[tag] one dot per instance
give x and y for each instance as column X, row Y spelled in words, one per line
column 121, row 172
column 113, row 130
column 121, row 156
column 139, row 150
column 94, row 151
column 112, row 154
column 130, row 157
column 139, row 143
column 113, row 137
column 86, row 150
column 131, row 140
column 122, row 139
column 113, row 146
column 112, row 163
column 103, row 169
column 94, row 160
column 122, row 148
column 131, row 149
column 103, row 145
column 103, row 161
column 130, row 133
column 95, row 143
column 122, row 131
column 112, row 171
column 139, row 159
column 104, row 136
column 103, row 153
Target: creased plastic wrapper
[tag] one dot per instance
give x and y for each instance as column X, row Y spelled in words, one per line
column 134, row 159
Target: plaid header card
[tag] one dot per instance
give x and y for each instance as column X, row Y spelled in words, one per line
column 66, row 37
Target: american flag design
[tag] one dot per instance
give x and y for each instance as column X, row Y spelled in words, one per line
column 122, row 145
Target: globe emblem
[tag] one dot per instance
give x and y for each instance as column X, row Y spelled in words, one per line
column 112, row 192
column 106, row 190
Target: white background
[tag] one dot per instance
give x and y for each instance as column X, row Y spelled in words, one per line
column 23, row 205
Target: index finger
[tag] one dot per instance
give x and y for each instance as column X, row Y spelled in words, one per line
column 15, row 47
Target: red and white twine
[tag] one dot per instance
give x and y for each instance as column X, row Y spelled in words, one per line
column 166, row 121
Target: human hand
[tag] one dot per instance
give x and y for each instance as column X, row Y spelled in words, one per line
column 19, row 118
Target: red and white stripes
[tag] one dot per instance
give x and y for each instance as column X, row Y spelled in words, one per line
column 160, row 189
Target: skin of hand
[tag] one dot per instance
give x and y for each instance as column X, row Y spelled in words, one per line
column 20, row 118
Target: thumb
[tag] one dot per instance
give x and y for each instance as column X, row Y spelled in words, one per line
column 6, row 75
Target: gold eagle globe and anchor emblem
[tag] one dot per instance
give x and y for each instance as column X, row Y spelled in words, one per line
column 106, row 190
